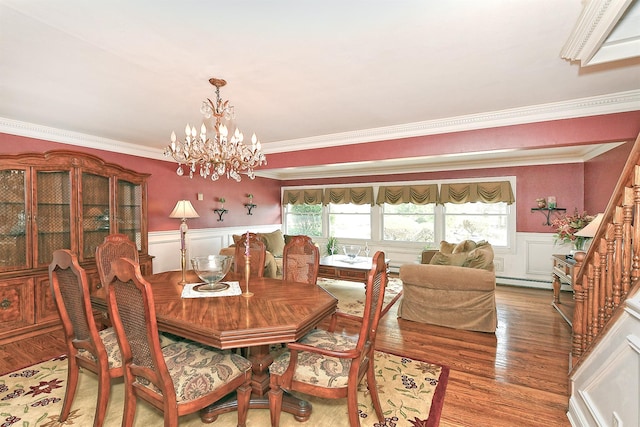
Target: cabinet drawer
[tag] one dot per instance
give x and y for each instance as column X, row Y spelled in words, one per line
column 45, row 304
column 353, row 275
column 16, row 303
column 326, row 271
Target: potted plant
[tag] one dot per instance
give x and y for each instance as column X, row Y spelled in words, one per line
column 332, row 245
column 221, row 200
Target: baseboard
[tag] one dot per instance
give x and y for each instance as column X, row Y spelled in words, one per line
column 529, row 283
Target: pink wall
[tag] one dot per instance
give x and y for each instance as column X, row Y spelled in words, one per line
column 600, row 181
column 557, row 133
column 566, row 182
column 165, row 188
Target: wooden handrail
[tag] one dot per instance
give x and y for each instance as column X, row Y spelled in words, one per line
column 608, row 273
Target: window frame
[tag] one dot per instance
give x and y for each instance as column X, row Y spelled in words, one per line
column 377, row 214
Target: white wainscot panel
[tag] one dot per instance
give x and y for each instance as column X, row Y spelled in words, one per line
column 164, row 246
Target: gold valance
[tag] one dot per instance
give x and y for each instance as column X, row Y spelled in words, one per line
column 416, row 194
column 485, row 192
column 357, row 196
column 310, row 196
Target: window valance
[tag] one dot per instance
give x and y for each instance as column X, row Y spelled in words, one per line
column 485, row 192
column 357, row 196
column 416, row 194
column 310, row 196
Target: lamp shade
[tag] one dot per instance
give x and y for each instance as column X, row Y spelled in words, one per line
column 184, row 209
column 591, row 228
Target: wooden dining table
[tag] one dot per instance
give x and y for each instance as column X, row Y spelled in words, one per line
column 278, row 312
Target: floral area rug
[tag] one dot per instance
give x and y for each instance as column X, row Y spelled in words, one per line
column 411, row 394
column 350, row 295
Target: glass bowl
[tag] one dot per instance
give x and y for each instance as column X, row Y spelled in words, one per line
column 211, row 269
column 351, row 251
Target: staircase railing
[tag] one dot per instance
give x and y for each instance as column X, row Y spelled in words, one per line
column 608, row 273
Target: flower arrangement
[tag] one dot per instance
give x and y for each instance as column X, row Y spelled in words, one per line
column 567, row 226
column 221, row 199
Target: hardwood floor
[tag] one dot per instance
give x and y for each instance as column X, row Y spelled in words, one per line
column 517, row 377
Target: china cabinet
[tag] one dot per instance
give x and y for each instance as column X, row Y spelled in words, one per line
column 60, row 200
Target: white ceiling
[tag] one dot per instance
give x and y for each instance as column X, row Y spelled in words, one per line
column 122, row 75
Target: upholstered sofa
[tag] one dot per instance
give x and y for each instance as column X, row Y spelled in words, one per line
column 274, row 244
column 455, row 289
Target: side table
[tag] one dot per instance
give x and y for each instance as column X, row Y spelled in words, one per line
column 563, row 273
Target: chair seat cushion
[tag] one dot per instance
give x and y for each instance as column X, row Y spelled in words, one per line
column 314, row 368
column 110, row 341
column 197, row 370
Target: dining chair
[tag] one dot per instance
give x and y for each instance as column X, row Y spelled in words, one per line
column 257, row 254
column 113, row 247
column 93, row 350
column 331, row 365
column 178, row 379
column 300, row 260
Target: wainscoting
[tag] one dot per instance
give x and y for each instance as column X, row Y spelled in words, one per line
column 527, row 264
column 605, row 389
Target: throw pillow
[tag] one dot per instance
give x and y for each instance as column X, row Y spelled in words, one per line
column 273, row 241
column 237, row 237
column 448, row 259
column 446, row 247
column 480, row 257
column 464, row 246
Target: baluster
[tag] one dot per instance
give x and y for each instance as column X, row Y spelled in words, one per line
column 608, row 297
column 578, row 323
column 627, row 209
column 617, row 254
column 635, row 265
column 589, row 315
column 602, row 283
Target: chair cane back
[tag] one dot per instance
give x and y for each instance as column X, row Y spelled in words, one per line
column 96, row 351
column 300, row 260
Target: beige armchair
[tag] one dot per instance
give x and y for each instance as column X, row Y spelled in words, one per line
column 274, row 242
column 456, row 290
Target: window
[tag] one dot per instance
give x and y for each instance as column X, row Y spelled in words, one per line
column 477, row 221
column 406, row 215
column 303, row 219
column 408, row 222
column 350, row 221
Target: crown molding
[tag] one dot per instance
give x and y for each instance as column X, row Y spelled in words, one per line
column 592, row 106
column 596, row 22
column 32, row 130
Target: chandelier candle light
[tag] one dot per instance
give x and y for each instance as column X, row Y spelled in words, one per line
column 216, row 156
column 183, row 210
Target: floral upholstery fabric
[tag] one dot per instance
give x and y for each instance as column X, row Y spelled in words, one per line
column 111, row 346
column 197, row 370
column 315, row 368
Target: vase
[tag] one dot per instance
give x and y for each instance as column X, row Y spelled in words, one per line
column 578, row 245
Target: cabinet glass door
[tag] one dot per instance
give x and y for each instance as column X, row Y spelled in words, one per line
column 13, row 219
column 130, row 211
column 53, row 213
column 96, row 224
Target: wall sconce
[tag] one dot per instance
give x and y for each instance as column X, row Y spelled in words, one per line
column 250, row 205
column 183, row 210
column 221, row 210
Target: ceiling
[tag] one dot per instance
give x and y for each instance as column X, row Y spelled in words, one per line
column 121, row 75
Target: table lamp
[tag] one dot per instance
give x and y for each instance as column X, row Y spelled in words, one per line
column 183, row 210
column 590, row 230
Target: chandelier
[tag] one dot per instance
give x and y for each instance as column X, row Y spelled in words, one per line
column 217, row 155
